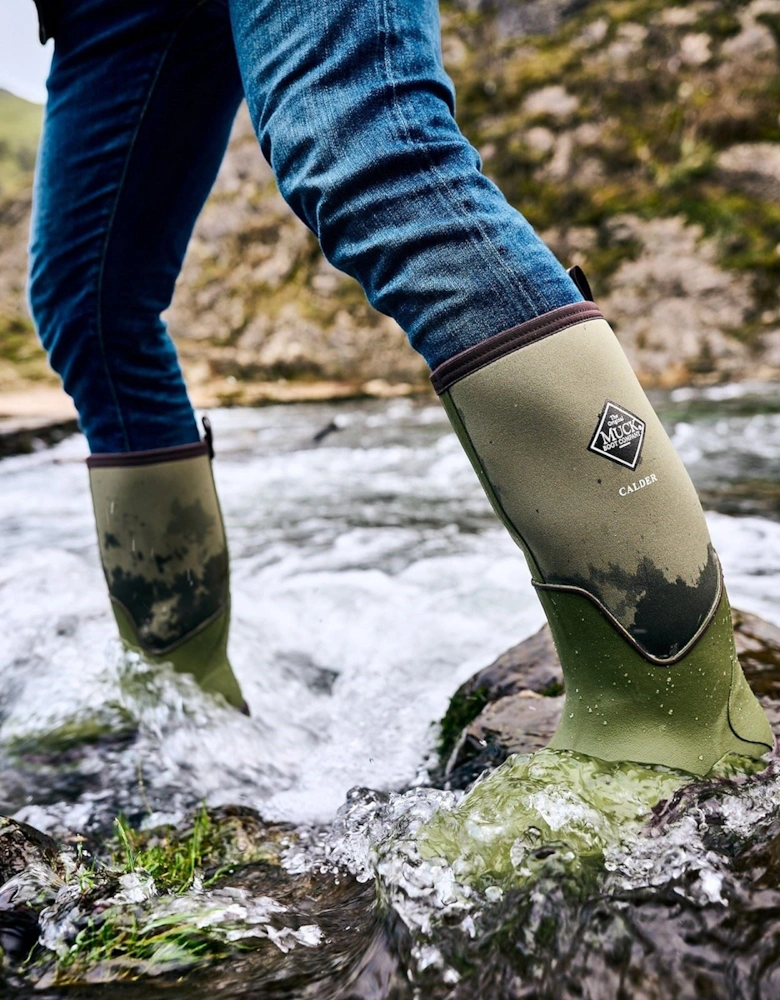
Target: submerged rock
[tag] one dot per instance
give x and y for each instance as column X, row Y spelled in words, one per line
column 513, row 705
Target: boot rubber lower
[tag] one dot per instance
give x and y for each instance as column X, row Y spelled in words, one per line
column 203, row 655
column 619, row 706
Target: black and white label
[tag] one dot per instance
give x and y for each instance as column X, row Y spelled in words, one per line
column 619, row 435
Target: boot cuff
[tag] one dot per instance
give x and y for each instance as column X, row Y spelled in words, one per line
column 155, row 456
column 480, row 355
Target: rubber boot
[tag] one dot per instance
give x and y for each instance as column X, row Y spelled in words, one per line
column 581, row 472
column 164, row 554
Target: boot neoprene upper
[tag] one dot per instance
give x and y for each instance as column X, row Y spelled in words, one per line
column 581, row 472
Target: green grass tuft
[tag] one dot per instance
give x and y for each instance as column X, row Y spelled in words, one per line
column 173, row 859
column 120, row 940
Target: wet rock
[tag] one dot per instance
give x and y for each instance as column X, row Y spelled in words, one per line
column 300, row 667
column 513, row 705
column 173, row 899
column 521, row 723
column 77, row 757
column 754, row 497
column 758, row 648
column 21, row 846
column 532, row 665
column 19, row 929
column 22, row 436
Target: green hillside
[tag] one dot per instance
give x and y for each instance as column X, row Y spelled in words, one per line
column 22, row 360
column 20, row 128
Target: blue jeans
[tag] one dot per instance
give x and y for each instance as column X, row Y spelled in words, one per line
column 354, row 112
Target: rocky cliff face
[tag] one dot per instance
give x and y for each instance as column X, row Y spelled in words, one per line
column 641, row 139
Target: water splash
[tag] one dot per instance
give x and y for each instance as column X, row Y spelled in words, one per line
column 538, row 809
column 544, row 836
column 380, row 530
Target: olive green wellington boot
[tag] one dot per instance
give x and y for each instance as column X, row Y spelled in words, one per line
column 164, row 554
column 581, row 472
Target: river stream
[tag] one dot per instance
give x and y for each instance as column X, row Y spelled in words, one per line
column 370, row 579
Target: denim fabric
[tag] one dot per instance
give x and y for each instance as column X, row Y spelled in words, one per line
column 141, row 98
column 354, row 112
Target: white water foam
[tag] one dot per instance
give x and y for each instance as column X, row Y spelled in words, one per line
column 369, row 580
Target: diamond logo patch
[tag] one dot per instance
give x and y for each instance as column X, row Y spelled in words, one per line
column 619, row 435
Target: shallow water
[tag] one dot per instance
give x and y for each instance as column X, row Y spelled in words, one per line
column 369, row 581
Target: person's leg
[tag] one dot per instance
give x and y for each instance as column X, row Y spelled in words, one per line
column 354, row 111
column 141, row 100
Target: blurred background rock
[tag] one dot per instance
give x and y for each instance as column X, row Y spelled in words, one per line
column 640, row 138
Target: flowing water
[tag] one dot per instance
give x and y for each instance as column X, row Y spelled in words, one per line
column 369, row 580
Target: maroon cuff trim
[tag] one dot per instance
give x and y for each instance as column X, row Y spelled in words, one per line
column 156, row 456
column 495, row 347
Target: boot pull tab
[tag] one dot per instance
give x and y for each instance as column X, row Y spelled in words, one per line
column 577, row 275
column 209, row 436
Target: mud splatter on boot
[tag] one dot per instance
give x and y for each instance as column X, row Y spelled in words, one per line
column 164, row 554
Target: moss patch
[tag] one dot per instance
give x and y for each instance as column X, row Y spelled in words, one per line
column 462, row 709
column 175, row 926
column 112, row 724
